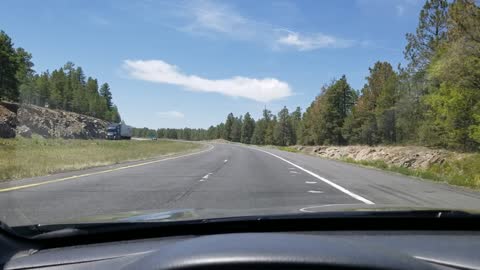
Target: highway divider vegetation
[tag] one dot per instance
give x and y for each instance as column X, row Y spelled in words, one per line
column 22, row 158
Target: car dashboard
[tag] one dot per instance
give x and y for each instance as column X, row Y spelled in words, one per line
column 276, row 250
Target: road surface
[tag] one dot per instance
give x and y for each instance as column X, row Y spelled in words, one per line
column 222, row 176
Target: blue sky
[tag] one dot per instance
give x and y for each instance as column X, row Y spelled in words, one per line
column 178, row 64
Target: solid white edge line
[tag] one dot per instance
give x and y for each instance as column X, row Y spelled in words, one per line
column 342, row 189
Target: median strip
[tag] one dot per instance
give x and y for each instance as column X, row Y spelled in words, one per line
column 102, row 172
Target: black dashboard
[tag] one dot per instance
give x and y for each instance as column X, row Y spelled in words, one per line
column 306, row 250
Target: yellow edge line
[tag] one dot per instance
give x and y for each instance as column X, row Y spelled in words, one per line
column 101, row 172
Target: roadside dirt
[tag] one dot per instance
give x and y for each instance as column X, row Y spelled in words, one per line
column 414, row 157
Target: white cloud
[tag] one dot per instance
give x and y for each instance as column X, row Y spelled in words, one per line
column 212, row 18
column 263, row 90
column 219, row 18
column 170, row 114
column 400, row 9
column 312, row 42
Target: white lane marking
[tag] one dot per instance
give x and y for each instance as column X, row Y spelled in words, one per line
column 310, row 182
column 440, row 262
column 342, row 189
column 205, row 177
column 225, row 161
column 307, row 209
column 315, row 191
column 102, row 172
column 294, row 172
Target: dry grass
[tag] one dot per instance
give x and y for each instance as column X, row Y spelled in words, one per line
column 464, row 171
column 459, row 172
column 21, row 158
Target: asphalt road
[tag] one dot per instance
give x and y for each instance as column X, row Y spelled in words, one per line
column 229, row 177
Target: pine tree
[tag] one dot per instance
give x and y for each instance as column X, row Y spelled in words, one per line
column 248, row 127
column 79, row 95
column 58, row 82
column 325, row 117
column 92, row 86
column 431, row 31
column 43, row 86
column 382, row 88
column 236, row 133
column 228, row 127
column 283, row 129
column 106, row 94
column 373, row 118
column 220, row 131
column 9, row 66
column 258, row 136
column 270, row 123
column 296, row 119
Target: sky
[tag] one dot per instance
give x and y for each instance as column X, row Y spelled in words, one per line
column 175, row 64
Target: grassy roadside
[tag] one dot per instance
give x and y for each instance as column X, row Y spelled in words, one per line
column 460, row 172
column 287, row 148
column 21, row 158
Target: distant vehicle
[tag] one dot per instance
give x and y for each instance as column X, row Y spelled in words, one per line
column 119, row 132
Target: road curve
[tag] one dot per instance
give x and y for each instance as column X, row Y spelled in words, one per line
column 225, row 176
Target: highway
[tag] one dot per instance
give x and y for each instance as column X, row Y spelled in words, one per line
column 230, row 177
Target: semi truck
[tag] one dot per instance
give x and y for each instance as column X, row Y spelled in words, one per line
column 119, row 131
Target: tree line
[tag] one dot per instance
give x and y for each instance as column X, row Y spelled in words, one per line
column 66, row 88
column 433, row 101
column 190, row 134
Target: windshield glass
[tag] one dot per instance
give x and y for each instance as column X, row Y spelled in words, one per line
column 236, row 108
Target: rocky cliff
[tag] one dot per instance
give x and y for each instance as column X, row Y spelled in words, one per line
column 25, row 120
column 8, row 120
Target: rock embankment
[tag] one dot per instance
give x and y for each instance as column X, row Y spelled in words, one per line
column 414, row 157
column 8, row 121
column 25, row 120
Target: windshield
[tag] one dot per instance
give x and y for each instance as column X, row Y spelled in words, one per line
column 236, row 108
